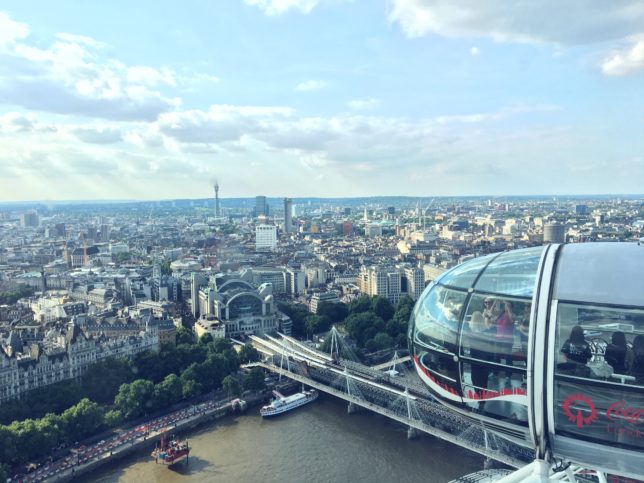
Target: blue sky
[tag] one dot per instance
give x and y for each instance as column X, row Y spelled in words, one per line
column 147, row 100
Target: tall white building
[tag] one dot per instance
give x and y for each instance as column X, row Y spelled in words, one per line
column 295, row 281
column 415, row 281
column 265, row 237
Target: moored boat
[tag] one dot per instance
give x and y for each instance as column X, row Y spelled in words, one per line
column 282, row 404
column 172, row 452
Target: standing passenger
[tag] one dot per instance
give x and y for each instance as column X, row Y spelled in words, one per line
column 505, row 336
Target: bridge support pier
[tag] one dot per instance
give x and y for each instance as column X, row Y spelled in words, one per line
column 352, row 408
column 412, row 433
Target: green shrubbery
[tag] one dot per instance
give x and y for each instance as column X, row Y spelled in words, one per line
column 113, row 391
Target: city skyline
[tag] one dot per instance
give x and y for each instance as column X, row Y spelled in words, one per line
column 319, row 99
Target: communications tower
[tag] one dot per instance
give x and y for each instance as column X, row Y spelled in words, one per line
column 217, row 213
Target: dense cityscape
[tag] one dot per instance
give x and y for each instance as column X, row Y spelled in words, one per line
column 86, row 287
column 314, row 241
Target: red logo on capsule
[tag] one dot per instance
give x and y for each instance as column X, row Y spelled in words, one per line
column 573, row 408
column 620, row 411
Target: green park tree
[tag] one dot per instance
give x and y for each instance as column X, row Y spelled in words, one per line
column 254, row 380
column 231, row 386
column 248, row 353
column 382, row 308
column 190, row 388
column 335, row 312
column 184, row 336
column 135, row 399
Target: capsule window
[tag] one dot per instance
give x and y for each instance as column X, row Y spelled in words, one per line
column 512, row 273
column 437, row 319
column 494, row 343
column 599, row 373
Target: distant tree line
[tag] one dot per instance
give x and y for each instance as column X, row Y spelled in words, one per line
column 373, row 322
column 117, row 390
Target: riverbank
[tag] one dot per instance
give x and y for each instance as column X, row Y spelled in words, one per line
column 136, row 439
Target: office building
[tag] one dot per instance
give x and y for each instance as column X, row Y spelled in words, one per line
column 29, row 219
column 414, row 281
column 261, row 206
column 320, row 297
column 265, row 237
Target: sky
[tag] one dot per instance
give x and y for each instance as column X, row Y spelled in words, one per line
column 329, row 98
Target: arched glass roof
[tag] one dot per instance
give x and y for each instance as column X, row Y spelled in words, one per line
column 508, row 273
column 234, row 284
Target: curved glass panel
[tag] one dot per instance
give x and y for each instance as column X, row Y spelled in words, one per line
column 436, row 319
column 599, row 374
column 441, row 369
column 494, row 348
column 234, row 285
column 464, row 275
column 244, row 306
column 512, row 273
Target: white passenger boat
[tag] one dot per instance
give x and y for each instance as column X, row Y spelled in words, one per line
column 282, row 404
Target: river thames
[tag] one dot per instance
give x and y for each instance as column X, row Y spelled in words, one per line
column 319, row 442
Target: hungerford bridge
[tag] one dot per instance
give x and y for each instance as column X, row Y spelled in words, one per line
column 398, row 395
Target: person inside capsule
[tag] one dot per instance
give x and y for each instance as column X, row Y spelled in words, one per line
column 616, row 352
column 576, row 352
column 635, row 359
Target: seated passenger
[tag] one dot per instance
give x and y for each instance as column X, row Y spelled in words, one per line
column 635, row 359
column 576, row 349
column 616, row 352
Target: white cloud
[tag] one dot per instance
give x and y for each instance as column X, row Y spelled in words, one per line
column 80, row 39
column 571, row 22
column 97, row 134
column 363, row 104
column 454, row 154
column 474, row 51
column 13, row 122
column 354, row 142
column 69, row 77
column 278, row 7
column 625, row 61
column 220, row 123
column 11, row 31
column 72, row 75
column 310, row 85
column 205, row 78
column 149, row 76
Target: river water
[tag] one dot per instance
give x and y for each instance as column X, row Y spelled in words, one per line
column 319, row 442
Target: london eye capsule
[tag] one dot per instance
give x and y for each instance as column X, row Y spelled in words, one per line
column 544, row 346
